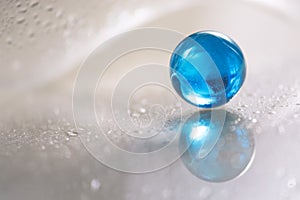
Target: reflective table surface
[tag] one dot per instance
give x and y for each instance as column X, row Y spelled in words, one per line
column 249, row 150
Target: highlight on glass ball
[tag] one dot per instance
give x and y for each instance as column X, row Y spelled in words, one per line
column 207, row 69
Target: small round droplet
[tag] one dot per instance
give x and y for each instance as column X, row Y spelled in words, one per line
column 31, row 35
column 18, row 4
column 143, row 110
column 207, row 69
column 49, row 8
column 9, row 41
column 59, row 13
column 23, row 10
column 272, row 112
column 292, row 183
column 72, row 133
column 34, row 4
column 20, row 20
column 95, row 184
column 254, row 120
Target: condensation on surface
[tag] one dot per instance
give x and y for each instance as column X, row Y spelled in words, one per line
column 42, row 156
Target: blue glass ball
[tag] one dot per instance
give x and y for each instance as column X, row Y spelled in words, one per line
column 207, row 69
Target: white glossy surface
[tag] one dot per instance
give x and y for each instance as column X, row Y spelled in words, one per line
column 40, row 156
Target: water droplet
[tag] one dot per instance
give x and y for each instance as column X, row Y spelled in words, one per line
column 134, row 114
column 59, row 13
column 254, row 120
column 20, row 20
column 143, row 110
column 31, row 34
column 34, row 4
column 49, row 8
column 244, row 105
column 72, row 133
column 18, row 4
column 272, row 112
column 23, row 10
column 95, row 184
column 292, row 183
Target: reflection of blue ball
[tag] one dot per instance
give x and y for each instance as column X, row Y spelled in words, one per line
column 212, row 155
column 207, row 69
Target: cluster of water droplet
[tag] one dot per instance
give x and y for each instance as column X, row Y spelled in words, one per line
column 53, row 133
column 260, row 108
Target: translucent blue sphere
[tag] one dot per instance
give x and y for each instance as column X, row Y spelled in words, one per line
column 207, row 69
column 214, row 156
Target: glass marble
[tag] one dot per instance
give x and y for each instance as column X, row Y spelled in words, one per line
column 231, row 153
column 207, row 69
